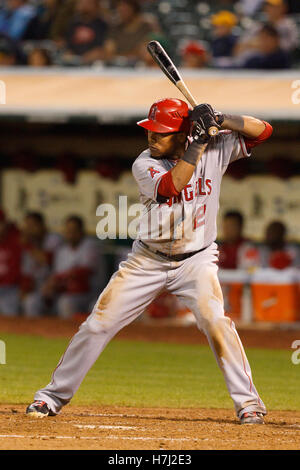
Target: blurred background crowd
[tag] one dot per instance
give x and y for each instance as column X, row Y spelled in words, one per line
column 244, row 34
column 61, row 153
column 42, row 272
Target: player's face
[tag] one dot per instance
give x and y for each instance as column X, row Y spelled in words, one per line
column 167, row 145
column 275, row 234
column 232, row 229
column 32, row 228
column 72, row 233
column 125, row 11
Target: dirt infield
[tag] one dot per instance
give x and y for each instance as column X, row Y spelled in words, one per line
column 259, row 336
column 130, row 428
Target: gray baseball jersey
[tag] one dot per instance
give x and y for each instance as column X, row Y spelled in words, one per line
column 187, row 222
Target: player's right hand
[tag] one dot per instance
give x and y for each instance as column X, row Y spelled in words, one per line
column 204, row 115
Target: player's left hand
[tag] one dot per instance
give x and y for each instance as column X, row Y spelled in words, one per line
column 199, row 134
column 205, row 116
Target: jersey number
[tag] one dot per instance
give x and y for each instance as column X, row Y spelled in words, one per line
column 199, row 219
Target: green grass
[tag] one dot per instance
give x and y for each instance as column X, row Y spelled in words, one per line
column 134, row 373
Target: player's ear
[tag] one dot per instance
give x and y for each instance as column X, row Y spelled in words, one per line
column 181, row 137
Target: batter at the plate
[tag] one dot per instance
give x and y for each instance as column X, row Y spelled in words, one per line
column 179, row 178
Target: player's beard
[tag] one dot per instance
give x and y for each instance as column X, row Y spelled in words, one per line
column 155, row 153
column 173, row 154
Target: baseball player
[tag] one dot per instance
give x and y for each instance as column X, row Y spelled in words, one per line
column 179, row 179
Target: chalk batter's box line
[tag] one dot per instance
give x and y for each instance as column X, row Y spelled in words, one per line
column 134, row 438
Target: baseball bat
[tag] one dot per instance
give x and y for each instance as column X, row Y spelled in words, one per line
column 170, row 70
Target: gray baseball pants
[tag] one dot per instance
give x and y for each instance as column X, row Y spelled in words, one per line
column 130, row 290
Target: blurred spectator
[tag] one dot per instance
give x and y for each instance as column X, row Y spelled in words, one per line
column 194, row 55
column 145, row 59
column 10, row 267
column 223, row 5
column 235, row 251
column 276, row 13
column 8, row 53
column 276, row 252
column 75, row 271
column 86, row 34
column 224, row 39
column 125, row 37
column 232, row 231
column 42, row 25
column 169, row 306
column 39, row 57
column 249, row 7
column 39, row 247
column 15, row 17
column 61, row 21
column 51, row 21
column 268, row 53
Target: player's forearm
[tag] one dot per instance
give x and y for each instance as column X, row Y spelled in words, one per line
column 181, row 174
column 246, row 125
column 184, row 169
column 175, row 180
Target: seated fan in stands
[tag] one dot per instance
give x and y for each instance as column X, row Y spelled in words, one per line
column 276, row 252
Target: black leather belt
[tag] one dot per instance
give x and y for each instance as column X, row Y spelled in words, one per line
column 180, row 257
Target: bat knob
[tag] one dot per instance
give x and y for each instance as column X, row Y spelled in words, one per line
column 213, row 131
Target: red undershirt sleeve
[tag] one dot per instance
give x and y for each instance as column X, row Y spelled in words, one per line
column 166, row 186
column 250, row 143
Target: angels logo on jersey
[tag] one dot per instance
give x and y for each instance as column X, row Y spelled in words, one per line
column 153, row 171
column 201, row 187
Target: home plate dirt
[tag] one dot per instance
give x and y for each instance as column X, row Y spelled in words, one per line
column 148, row 428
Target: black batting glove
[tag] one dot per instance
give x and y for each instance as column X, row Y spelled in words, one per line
column 204, row 115
column 219, row 117
column 199, row 134
column 200, row 110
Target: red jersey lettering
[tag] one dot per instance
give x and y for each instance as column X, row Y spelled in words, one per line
column 153, row 172
column 208, row 185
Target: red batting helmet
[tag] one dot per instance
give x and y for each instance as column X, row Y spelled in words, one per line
column 167, row 115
